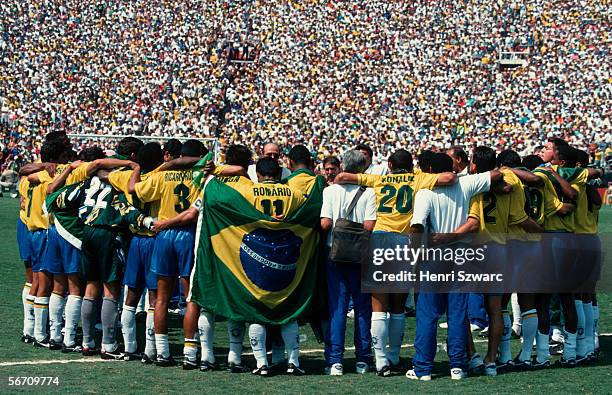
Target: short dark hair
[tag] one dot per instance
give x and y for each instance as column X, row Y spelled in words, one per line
column 582, row 157
column 567, row 154
column 424, row 159
column 532, row 161
column 193, row 147
column 90, row 154
column 173, row 148
column 558, row 142
column 238, row 155
column 508, row 158
column 150, row 156
column 366, row 148
column 441, row 163
column 459, row 153
column 333, row 160
column 484, row 159
column 52, row 150
column 401, row 159
column 299, row 154
column 268, row 167
column 129, row 146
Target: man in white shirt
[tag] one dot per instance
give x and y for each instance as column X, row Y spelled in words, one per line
column 443, row 210
column 344, row 282
column 270, row 150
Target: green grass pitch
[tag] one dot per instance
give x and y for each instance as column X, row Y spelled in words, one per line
column 133, row 377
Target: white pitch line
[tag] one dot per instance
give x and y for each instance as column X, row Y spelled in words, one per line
column 97, row 360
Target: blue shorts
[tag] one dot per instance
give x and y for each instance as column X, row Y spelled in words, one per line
column 138, row 272
column 525, row 260
column 39, row 248
column 173, row 252
column 61, row 257
column 24, row 241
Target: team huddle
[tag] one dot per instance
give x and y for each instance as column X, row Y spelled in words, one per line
column 95, row 232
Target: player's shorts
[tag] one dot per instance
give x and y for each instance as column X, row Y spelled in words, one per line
column 560, row 251
column 61, row 257
column 39, row 248
column 381, row 241
column 102, row 256
column 526, row 262
column 138, row 272
column 24, row 242
column 173, row 252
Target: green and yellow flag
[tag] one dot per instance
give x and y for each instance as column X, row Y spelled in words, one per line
column 249, row 266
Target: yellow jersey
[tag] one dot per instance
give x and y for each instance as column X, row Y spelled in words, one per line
column 497, row 213
column 567, row 223
column 303, row 180
column 120, row 180
column 517, row 205
column 37, row 219
column 592, row 217
column 174, row 189
column 24, row 198
column 581, row 220
column 394, row 197
column 273, row 199
column 542, row 202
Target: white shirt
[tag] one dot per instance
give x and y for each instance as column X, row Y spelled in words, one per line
column 253, row 174
column 444, row 209
column 336, row 200
column 376, row 169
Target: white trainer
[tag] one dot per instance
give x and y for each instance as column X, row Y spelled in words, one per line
column 413, row 376
column 334, row 370
column 490, row 369
column 457, row 374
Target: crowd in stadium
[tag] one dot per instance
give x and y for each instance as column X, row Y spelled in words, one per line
column 89, row 227
column 327, row 75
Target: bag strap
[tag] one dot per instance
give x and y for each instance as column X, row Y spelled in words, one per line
column 351, row 206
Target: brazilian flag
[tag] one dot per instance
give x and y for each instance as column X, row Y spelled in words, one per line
column 251, row 267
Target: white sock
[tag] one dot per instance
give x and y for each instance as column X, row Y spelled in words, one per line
column 569, row 346
column 580, row 343
column 141, row 302
column 73, row 316
column 56, row 314
column 542, row 347
column 396, row 335
column 206, row 329
column 162, row 345
column 128, row 328
column 516, row 314
column 380, row 329
column 257, row 335
column 108, row 317
column 28, row 316
column 190, row 350
column 596, row 327
column 235, row 331
column 41, row 315
column 25, row 292
column 529, row 324
column 588, row 327
column 505, row 354
column 291, row 337
column 150, row 348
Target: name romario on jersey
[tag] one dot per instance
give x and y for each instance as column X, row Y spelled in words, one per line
column 496, row 213
column 394, row 196
column 173, row 188
column 275, row 200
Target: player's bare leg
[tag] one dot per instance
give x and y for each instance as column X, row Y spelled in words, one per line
column 496, row 328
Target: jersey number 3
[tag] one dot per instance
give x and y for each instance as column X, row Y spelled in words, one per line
column 182, row 195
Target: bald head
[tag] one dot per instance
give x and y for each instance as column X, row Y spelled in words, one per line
column 271, row 150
